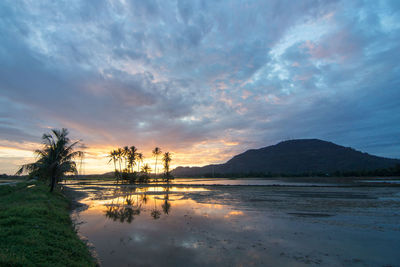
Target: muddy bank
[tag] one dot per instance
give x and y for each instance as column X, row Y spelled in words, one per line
column 75, row 197
column 76, row 206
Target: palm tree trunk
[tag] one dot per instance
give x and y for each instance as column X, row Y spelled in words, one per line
column 120, row 171
column 155, row 168
column 53, row 183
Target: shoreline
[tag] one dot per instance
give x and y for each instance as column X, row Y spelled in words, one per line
column 74, row 197
column 75, row 208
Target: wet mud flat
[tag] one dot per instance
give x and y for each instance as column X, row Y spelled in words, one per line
column 210, row 225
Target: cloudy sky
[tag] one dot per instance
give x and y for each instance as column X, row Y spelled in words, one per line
column 202, row 79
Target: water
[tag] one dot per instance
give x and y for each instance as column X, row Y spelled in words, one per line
column 247, row 181
column 382, row 181
column 188, row 224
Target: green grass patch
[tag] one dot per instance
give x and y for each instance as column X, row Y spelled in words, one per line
column 36, row 230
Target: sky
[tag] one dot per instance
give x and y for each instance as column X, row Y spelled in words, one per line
column 204, row 80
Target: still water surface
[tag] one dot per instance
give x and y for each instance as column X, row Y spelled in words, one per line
column 213, row 222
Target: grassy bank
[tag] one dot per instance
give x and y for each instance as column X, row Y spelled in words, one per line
column 36, row 230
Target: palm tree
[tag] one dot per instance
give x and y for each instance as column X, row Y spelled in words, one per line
column 131, row 162
column 139, row 157
column 144, row 176
column 146, row 168
column 132, row 156
column 56, row 158
column 156, row 152
column 113, row 157
column 166, row 159
column 120, row 155
column 126, row 154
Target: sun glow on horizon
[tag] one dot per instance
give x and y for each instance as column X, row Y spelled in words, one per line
column 96, row 160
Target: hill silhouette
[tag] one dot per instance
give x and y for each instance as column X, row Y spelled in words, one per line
column 294, row 157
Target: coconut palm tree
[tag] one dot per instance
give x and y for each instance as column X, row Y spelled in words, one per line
column 120, row 156
column 131, row 163
column 139, row 158
column 56, row 158
column 113, row 157
column 126, row 155
column 146, row 168
column 166, row 160
column 156, row 152
column 133, row 155
column 144, row 177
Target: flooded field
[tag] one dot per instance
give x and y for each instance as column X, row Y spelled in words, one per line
column 241, row 222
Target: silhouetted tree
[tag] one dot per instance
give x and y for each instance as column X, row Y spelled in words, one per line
column 166, row 160
column 113, row 157
column 146, row 168
column 56, row 158
column 126, row 154
column 156, row 152
column 120, row 155
column 139, row 158
column 132, row 155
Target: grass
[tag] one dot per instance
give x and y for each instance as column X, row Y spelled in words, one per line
column 36, row 230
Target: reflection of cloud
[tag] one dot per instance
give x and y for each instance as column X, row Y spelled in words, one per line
column 178, row 75
column 234, row 213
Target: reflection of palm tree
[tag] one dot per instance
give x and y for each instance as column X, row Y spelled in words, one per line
column 112, row 212
column 56, row 158
column 125, row 210
column 156, row 152
column 144, row 196
column 166, row 206
column 128, row 214
column 166, row 190
column 155, row 213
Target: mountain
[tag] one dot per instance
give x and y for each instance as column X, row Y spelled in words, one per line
column 294, row 157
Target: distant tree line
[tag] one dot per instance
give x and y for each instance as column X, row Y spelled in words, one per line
column 127, row 166
column 393, row 171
